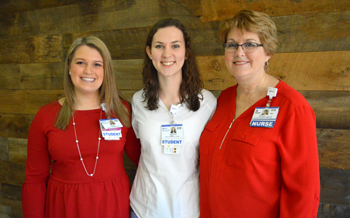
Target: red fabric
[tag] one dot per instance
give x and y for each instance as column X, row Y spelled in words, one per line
column 260, row 172
column 67, row 191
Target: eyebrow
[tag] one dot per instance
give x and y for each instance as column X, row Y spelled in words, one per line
column 84, row 60
column 245, row 40
column 176, row 41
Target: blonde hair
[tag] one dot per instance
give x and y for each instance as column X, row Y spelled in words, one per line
column 108, row 92
column 252, row 21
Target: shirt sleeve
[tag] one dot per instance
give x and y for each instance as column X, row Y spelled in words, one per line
column 37, row 170
column 300, row 189
column 133, row 146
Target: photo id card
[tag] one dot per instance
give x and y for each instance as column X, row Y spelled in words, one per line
column 111, row 129
column 264, row 117
column 172, row 138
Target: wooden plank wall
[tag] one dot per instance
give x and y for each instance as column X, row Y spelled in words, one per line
column 313, row 57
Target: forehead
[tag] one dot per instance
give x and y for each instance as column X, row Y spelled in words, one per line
column 168, row 34
column 87, row 52
column 238, row 35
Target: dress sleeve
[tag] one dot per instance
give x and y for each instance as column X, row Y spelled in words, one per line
column 300, row 189
column 37, row 170
column 133, row 144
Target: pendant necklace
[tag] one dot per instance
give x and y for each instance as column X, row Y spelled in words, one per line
column 98, row 148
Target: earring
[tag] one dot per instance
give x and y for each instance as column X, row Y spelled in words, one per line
column 69, row 73
column 266, row 64
column 150, row 57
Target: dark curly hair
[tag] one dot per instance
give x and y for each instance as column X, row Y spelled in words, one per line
column 191, row 85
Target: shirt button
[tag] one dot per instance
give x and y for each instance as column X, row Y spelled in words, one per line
column 243, row 137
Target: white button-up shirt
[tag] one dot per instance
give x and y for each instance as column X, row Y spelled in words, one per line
column 167, row 185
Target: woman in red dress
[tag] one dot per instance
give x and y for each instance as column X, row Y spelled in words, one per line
column 73, row 169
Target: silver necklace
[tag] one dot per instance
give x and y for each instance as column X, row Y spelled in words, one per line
column 98, row 148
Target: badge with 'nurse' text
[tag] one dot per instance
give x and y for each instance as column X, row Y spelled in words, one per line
column 264, row 117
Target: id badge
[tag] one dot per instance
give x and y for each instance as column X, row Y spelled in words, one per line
column 172, row 138
column 264, row 117
column 111, row 129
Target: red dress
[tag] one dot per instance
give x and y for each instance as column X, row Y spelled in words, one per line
column 260, row 172
column 67, row 191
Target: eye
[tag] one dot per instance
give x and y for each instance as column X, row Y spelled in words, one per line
column 98, row 65
column 80, row 62
column 231, row 45
column 176, row 46
column 250, row 44
column 158, row 46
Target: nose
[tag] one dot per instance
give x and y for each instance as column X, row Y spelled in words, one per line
column 239, row 51
column 88, row 69
column 166, row 52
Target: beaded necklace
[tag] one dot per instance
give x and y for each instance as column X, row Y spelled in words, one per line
column 98, row 147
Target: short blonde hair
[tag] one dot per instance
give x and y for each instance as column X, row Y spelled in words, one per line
column 109, row 93
column 252, row 21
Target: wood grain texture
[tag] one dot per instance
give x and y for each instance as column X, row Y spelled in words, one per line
column 25, row 5
column 333, row 148
column 15, row 125
column 26, row 102
column 332, row 109
column 12, row 173
column 302, row 71
column 84, row 17
column 221, row 9
column 17, row 150
column 298, row 33
column 333, row 210
column 335, row 185
column 4, row 149
column 11, row 196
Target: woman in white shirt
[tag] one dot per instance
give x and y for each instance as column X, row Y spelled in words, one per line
column 167, row 178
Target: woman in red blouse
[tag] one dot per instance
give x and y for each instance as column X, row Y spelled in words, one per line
column 73, row 168
column 258, row 154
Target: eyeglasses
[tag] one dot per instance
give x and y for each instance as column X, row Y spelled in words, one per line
column 247, row 47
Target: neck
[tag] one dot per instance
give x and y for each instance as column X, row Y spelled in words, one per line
column 256, row 87
column 169, row 91
column 87, row 102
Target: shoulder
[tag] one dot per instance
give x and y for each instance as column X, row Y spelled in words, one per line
column 227, row 93
column 51, row 107
column 138, row 96
column 208, row 96
column 290, row 96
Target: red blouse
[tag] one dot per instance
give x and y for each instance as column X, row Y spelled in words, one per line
column 66, row 190
column 260, row 172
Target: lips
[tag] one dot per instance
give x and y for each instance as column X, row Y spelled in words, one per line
column 88, row 79
column 240, row 62
column 168, row 63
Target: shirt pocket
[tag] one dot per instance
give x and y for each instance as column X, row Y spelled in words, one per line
column 207, row 136
column 241, row 150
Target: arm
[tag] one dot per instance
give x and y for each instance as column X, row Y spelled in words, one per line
column 133, row 145
column 300, row 190
column 37, row 171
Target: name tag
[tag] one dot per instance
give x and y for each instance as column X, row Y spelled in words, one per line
column 264, row 117
column 172, row 138
column 111, row 129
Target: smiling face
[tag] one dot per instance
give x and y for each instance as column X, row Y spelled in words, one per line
column 245, row 65
column 168, row 51
column 86, row 70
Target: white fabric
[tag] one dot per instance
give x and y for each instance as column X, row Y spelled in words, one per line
column 167, row 185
